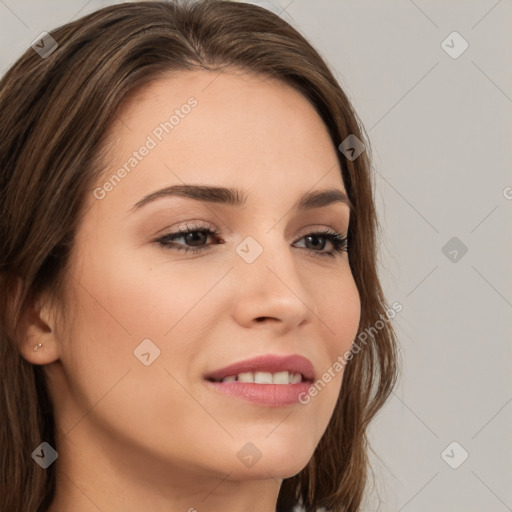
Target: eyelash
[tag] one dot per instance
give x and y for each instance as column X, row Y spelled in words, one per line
column 339, row 242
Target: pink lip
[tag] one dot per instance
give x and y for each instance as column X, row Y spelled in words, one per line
column 268, row 363
column 269, row 395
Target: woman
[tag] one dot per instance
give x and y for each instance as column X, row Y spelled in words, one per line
column 188, row 262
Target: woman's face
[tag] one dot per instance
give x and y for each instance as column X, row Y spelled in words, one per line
column 151, row 322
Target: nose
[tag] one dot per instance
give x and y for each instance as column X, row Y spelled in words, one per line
column 271, row 290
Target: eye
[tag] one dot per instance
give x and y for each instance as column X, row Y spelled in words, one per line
column 338, row 241
column 197, row 237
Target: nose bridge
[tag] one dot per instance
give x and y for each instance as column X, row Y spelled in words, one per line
column 267, row 269
column 266, row 254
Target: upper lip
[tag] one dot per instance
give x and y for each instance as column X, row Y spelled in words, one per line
column 267, row 363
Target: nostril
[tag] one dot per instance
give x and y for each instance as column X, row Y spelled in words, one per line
column 263, row 318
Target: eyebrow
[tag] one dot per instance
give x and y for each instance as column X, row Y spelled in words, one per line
column 237, row 198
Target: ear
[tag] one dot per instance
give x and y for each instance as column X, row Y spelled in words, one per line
column 38, row 325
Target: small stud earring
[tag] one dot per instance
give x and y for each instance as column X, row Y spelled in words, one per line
column 38, row 346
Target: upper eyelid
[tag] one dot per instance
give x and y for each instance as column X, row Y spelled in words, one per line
column 202, row 227
column 183, row 231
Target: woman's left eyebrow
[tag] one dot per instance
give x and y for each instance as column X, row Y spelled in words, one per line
column 238, row 198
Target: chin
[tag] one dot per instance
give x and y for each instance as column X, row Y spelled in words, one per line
column 277, row 462
column 264, row 471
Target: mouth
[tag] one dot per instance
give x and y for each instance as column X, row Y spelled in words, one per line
column 271, row 380
column 278, row 378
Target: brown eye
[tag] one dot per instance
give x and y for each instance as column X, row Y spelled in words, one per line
column 195, row 239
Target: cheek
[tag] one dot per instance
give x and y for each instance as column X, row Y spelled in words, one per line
column 339, row 312
column 142, row 300
column 124, row 303
column 118, row 305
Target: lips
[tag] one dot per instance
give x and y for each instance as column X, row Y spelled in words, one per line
column 267, row 363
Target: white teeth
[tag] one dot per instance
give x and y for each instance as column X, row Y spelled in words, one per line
column 265, row 378
column 296, row 378
column 245, row 377
column 281, row 378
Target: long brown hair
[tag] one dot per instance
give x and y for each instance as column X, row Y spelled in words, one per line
column 54, row 115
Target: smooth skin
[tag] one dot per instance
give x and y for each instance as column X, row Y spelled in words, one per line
column 133, row 437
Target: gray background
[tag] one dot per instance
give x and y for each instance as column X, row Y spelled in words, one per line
column 441, row 136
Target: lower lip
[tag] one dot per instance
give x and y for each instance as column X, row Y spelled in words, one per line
column 269, row 395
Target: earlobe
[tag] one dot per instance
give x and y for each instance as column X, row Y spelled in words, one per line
column 38, row 343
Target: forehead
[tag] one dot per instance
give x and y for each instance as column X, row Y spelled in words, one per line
column 220, row 128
